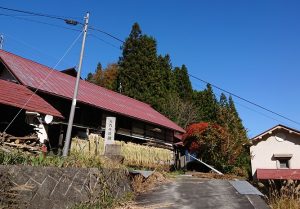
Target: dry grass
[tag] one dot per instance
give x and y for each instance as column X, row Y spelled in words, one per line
column 135, row 155
column 284, row 195
column 140, row 184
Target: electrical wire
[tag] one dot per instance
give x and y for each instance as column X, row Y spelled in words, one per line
column 66, row 19
column 249, row 108
column 37, row 14
column 118, row 39
column 43, row 82
column 33, row 47
column 102, row 40
column 106, row 33
column 246, row 100
column 37, row 21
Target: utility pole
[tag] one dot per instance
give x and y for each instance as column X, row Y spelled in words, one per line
column 73, row 106
column 1, row 41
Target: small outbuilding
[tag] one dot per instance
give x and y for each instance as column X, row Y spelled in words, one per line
column 275, row 154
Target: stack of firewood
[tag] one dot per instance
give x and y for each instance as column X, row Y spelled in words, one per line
column 26, row 143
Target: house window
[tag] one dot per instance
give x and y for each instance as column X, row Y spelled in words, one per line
column 283, row 160
column 283, row 163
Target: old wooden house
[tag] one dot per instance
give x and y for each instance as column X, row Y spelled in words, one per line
column 136, row 121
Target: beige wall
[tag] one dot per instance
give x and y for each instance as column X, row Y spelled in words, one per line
column 262, row 152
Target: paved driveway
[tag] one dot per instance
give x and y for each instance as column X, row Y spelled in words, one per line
column 190, row 192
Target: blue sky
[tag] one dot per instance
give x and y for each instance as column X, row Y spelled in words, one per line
column 250, row 48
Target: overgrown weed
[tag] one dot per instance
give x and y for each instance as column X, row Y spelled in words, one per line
column 283, row 194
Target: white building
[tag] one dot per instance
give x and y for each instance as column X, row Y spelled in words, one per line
column 275, row 154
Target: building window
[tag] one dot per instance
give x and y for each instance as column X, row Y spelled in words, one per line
column 284, row 163
column 283, row 160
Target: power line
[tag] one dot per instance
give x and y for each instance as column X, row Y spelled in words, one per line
column 59, row 26
column 36, row 49
column 251, row 109
column 68, row 20
column 37, row 14
column 37, row 21
column 246, row 100
column 100, row 39
column 106, row 33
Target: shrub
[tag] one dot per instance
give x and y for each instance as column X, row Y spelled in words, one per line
column 215, row 146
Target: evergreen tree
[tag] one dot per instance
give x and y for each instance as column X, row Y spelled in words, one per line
column 165, row 67
column 139, row 72
column 89, row 77
column 96, row 77
column 207, row 105
column 239, row 136
column 223, row 113
column 223, row 101
column 236, row 125
column 183, row 83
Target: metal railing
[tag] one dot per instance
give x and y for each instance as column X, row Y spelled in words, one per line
column 209, row 166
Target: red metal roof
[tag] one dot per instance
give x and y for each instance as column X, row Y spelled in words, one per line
column 17, row 95
column 44, row 78
column 293, row 174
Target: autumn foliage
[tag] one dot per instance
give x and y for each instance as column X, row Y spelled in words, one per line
column 214, row 145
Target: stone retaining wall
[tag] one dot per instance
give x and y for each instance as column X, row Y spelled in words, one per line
column 52, row 187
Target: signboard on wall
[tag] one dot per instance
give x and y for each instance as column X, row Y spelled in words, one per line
column 109, row 137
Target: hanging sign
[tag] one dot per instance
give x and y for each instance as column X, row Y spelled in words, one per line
column 109, row 137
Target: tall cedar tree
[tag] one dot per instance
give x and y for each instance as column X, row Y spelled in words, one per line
column 223, row 118
column 207, row 105
column 183, row 83
column 142, row 74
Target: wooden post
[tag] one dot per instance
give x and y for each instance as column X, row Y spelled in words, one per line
column 60, row 140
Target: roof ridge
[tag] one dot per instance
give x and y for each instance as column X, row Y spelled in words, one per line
column 59, row 71
column 92, row 94
column 114, row 92
column 27, row 59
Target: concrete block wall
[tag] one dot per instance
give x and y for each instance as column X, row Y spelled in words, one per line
column 52, row 187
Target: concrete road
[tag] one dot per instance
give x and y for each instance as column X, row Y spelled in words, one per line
column 187, row 192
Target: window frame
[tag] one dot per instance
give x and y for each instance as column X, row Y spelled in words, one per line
column 285, row 162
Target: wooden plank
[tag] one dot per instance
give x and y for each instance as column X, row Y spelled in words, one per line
column 22, row 146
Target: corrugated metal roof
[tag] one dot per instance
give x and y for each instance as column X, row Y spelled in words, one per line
column 17, row 95
column 293, row 174
column 244, row 187
column 34, row 74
